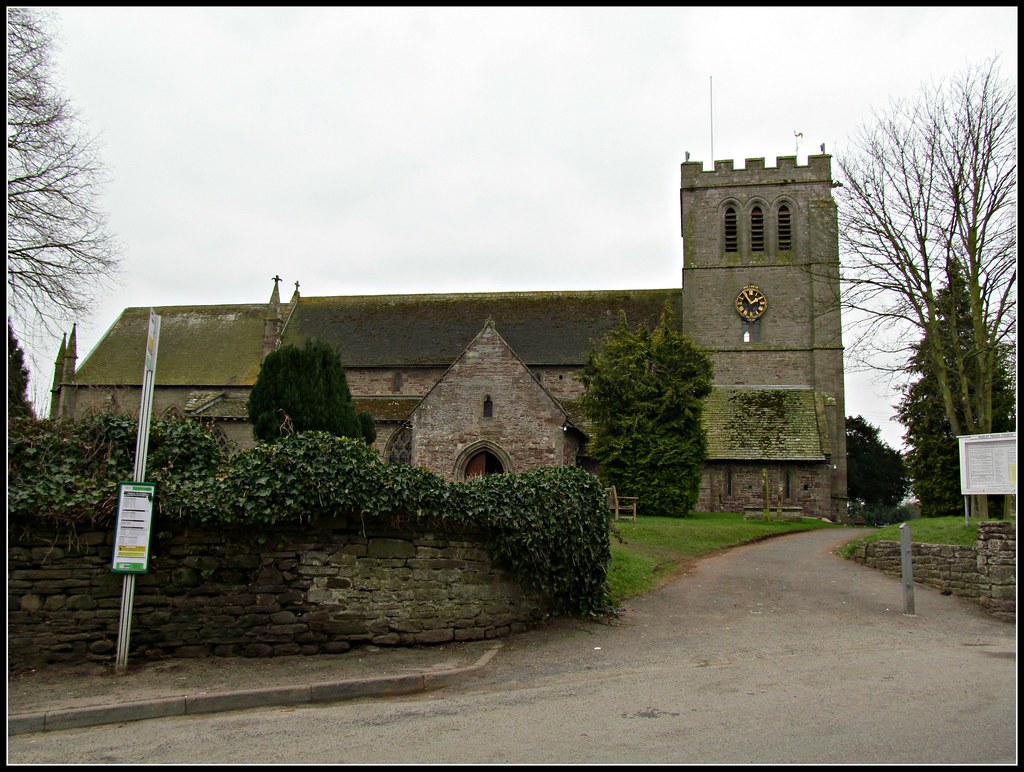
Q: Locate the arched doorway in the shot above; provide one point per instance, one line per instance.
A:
(481, 458)
(483, 462)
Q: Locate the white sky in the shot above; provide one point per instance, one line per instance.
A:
(399, 150)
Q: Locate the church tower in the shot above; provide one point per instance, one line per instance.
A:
(761, 284)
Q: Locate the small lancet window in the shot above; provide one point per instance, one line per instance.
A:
(396, 380)
(785, 229)
(731, 240)
(756, 230)
(752, 331)
(488, 407)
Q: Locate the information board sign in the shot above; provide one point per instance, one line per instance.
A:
(134, 524)
(988, 464)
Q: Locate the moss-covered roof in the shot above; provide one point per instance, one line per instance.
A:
(214, 404)
(199, 346)
(543, 328)
(766, 424)
(211, 346)
(574, 410)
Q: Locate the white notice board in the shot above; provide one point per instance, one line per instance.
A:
(134, 523)
(988, 464)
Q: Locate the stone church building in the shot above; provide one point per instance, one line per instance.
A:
(466, 384)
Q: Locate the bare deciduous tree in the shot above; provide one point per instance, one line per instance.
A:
(928, 201)
(59, 248)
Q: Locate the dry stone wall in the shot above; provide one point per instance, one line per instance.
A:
(257, 592)
(985, 573)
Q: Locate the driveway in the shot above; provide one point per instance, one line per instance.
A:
(781, 651)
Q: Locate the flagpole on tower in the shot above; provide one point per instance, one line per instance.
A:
(711, 113)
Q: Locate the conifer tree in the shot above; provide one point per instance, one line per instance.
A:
(933, 458)
(876, 473)
(304, 389)
(645, 397)
(18, 405)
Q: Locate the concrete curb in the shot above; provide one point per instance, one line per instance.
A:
(187, 705)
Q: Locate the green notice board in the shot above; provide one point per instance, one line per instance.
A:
(134, 524)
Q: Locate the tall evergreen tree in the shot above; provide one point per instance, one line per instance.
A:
(18, 405)
(645, 397)
(304, 389)
(875, 472)
(933, 458)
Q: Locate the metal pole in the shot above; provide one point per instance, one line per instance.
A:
(124, 626)
(711, 113)
(907, 564)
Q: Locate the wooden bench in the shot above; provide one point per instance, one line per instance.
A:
(624, 505)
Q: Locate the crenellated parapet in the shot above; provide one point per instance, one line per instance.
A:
(785, 171)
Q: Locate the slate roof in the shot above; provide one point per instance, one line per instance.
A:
(766, 425)
(543, 328)
(199, 346)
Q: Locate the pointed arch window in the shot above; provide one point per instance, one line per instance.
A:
(222, 438)
(785, 229)
(400, 447)
(731, 237)
(756, 229)
(488, 407)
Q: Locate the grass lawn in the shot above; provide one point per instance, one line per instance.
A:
(650, 551)
(924, 530)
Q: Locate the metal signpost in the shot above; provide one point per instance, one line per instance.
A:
(988, 464)
(135, 504)
(907, 570)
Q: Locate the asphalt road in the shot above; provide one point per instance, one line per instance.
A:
(778, 652)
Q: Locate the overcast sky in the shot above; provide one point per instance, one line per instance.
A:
(411, 150)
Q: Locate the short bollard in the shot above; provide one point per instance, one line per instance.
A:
(907, 565)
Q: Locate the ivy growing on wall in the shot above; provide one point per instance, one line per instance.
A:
(548, 526)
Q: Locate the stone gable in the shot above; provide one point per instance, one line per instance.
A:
(524, 426)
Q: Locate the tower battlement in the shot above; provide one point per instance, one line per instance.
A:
(786, 170)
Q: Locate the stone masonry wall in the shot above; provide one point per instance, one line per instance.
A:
(809, 487)
(524, 427)
(985, 573)
(256, 593)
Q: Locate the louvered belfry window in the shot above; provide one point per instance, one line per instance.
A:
(731, 240)
(756, 230)
(785, 229)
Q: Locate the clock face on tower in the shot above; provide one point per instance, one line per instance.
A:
(751, 303)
